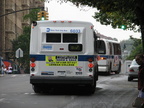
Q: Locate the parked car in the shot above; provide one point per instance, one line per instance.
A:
(133, 70)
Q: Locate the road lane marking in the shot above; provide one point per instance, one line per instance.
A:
(13, 75)
(29, 93)
(2, 99)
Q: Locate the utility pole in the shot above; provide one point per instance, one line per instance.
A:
(20, 11)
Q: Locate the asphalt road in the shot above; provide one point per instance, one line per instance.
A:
(112, 91)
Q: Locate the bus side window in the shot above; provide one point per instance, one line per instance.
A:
(117, 49)
(101, 49)
(110, 47)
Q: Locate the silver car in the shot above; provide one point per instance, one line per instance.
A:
(133, 70)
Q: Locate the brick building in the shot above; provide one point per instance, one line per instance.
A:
(11, 25)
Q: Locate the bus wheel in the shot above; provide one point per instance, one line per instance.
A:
(109, 70)
(92, 88)
(36, 88)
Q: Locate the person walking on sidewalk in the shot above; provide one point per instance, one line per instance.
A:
(2, 70)
(140, 61)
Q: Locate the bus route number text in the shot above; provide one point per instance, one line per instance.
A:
(75, 30)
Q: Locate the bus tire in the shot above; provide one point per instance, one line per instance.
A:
(92, 88)
(96, 72)
(36, 88)
(109, 70)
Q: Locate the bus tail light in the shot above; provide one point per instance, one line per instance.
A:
(103, 58)
(32, 65)
(90, 65)
(32, 59)
(90, 59)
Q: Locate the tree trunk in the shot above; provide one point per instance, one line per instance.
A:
(142, 36)
(140, 16)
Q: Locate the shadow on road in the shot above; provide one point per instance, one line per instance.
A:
(67, 90)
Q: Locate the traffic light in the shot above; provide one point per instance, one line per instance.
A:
(46, 15)
(123, 27)
(39, 15)
(42, 18)
(42, 15)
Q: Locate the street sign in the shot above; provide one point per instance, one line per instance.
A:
(19, 53)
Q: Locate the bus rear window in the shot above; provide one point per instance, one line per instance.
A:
(70, 38)
(101, 47)
(53, 37)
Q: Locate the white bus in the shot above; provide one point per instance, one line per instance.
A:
(62, 52)
(109, 59)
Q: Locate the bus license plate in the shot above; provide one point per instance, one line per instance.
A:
(61, 73)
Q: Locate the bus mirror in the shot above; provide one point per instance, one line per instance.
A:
(34, 23)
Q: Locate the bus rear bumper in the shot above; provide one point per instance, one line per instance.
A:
(61, 80)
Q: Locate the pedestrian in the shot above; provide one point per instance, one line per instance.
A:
(5, 70)
(2, 70)
(140, 61)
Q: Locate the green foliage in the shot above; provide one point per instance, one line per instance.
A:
(127, 45)
(23, 41)
(137, 48)
(116, 12)
(132, 45)
(32, 16)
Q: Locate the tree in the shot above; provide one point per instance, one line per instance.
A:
(127, 45)
(23, 41)
(32, 16)
(117, 13)
(137, 48)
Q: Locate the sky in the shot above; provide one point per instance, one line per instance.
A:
(68, 11)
